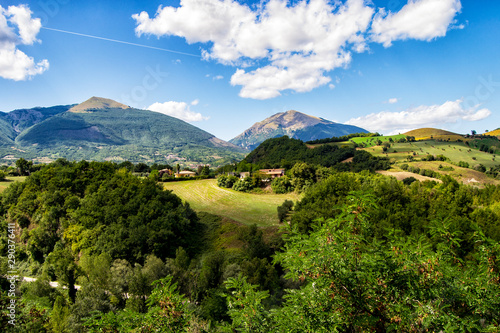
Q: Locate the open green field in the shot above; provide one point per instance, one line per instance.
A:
(9, 180)
(206, 196)
(368, 141)
(455, 151)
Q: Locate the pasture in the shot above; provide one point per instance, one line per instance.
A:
(454, 151)
(247, 208)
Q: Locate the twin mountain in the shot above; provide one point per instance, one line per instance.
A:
(103, 129)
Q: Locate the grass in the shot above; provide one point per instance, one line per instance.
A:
(247, 208)
(9, 180)
(493, 133)
(455, 151)
(368, 141)
(434, 133)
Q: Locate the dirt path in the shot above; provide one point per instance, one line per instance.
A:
(400, 175)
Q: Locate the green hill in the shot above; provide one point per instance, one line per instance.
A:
(434, 133)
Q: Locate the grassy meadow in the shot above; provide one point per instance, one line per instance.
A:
(455, 151)
(247, 208)
(9, 180)
(367, 141)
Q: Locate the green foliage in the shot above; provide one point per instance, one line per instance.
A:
(463, 164)
(409, 180)
(24, 167)
(479, 167)
(245, 306)
(302, 176)
(343, 138)
(244, 185)
(226, 181)
(398, 285)
(284, 210)
(281, 185)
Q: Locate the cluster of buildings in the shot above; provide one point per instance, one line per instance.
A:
(180, 174)
(270, 173)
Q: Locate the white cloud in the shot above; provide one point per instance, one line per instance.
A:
(17, 27)
(297, 44)
(422, 116)
(292, 46)
(419, 19)
(179, 110)
(392, 101)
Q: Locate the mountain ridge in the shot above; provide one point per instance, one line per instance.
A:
(103, 129)
(294, 124)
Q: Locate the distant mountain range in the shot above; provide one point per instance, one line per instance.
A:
(102, 129)
(294, 124)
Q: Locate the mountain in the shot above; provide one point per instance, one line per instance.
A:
(294, 124)
(18, 120)
(103, 129)
(97, 103)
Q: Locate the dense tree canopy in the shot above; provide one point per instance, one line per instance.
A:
(362, 252)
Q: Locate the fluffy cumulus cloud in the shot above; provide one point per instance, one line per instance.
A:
(281, 46)
(422, 116)
(179, 110)
(17, 27)
(419, 19)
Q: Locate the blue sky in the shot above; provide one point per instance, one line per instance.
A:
(387, 66)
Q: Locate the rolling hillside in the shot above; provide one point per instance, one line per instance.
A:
(434, 133)
(294, 124)
(246, 208)
(102, 129)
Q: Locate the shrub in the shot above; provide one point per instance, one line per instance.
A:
(409, 180)
(226, 181)
(284, 209)
(480, 168)
(281, 185)
(243, 185)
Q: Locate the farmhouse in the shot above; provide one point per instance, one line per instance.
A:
(185, 174)
(165, 172)
(273, 172)
(244, 175)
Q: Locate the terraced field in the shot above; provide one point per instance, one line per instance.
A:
(455, 151)
(247, 208)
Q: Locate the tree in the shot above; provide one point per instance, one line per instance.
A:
(302, 175)
(24, 167)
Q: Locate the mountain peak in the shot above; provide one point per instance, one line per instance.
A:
(296, 125)
(97, 103)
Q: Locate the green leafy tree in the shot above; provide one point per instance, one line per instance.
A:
(24, 167)
(281, 185)
(302, 176)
